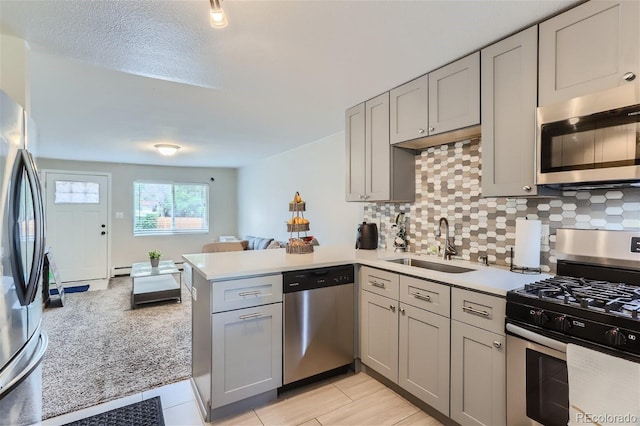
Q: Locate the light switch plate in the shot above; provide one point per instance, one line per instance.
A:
(194, 293)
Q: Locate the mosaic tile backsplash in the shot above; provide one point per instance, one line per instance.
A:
(448, 184)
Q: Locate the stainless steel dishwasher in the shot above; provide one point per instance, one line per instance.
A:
(318, 322)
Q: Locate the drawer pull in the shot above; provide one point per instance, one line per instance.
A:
(497, 344)
(424, 297)
(393, 308)
(250, 293)
(377, 284)
(475, 311)
(250, 316)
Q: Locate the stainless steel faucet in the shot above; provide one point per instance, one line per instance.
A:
(449, 248)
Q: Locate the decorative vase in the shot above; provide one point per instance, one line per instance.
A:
(155, 261)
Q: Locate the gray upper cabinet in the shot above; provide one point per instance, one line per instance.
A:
(454, 95)
(589, 48)
(409, 110)
(354, 155)
(376, 171)
(509, 91)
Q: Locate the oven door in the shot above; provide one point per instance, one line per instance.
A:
(537, 380)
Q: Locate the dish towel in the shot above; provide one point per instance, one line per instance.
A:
(603, 389)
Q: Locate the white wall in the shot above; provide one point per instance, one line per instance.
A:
(317, 170)
(125, 248)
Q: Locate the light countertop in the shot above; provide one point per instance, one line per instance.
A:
(237, 264)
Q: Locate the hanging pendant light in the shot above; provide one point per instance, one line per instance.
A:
(217, 16)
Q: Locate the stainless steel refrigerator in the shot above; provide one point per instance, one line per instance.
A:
(22, 342)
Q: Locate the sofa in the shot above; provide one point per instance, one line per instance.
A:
(249, 243)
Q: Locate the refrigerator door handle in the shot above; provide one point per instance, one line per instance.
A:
(39, 235)
(42, 341)
(26, 285)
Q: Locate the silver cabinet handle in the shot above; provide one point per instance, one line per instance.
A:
(431, 129)
(629, 76)
(377, 284)
(250, 316)
(402, 311)
(250, 293)
(526, 188)
(497, 344)
(424, 297)
(421, 131)
(475, 311)
(393, 308)
(361, 196)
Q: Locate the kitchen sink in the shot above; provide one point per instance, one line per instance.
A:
(450, 269)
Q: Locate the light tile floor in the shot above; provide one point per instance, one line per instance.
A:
(355, 399)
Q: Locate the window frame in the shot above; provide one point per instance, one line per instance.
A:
(172, 230)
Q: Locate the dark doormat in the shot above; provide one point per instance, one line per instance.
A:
(144, 413)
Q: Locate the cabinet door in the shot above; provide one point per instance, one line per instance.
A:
(588, 49)
(423, 365)
(509, 98)
(454, 95)
(478, 376)
(409, 111)
(379, 334)
(377, 153)
(354, 154)
(247, 353)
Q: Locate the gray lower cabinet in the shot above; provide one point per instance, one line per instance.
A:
(592, 47)
(478, 358)
(375, 171)
(478, 376)
(236, 343)
(509, 101)
(403, 342)
(247, 353)
(423, 365)
(379, 334)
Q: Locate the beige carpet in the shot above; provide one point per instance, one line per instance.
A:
(100, 349)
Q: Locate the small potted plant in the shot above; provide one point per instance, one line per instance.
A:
(154, 258)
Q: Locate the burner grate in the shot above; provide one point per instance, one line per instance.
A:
(619, 298)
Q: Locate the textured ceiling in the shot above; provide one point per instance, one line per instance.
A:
(111, 78)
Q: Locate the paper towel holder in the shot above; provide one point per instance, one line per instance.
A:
(522, 269)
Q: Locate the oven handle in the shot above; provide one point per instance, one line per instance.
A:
(536, 338)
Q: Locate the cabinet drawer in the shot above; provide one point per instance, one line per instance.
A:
(246, 292)
(478, 309)
(425, 294)
(380, 282)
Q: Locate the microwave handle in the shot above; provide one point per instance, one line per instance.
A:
(536, 338)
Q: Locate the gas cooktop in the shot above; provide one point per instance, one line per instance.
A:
(617, 298)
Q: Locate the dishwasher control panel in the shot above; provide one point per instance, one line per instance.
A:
(309, 279)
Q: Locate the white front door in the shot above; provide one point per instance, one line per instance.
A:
(76, 215)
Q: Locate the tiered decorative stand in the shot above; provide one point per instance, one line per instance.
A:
(298, 225)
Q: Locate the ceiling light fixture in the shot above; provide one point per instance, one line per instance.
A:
(217, 17)
(166, 149)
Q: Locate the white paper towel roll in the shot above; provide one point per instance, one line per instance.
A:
(527, 250)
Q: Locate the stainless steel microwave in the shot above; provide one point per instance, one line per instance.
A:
(591, 141)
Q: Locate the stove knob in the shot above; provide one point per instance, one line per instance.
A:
(540, 318)
(616, 337)
(562, 323)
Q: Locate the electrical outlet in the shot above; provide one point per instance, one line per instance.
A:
(544, 234)
(194, 293)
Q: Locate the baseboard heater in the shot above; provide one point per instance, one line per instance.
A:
(119, 271)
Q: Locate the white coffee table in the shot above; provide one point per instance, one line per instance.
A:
(155, 284)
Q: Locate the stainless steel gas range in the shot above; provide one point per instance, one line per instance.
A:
(593, 302)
